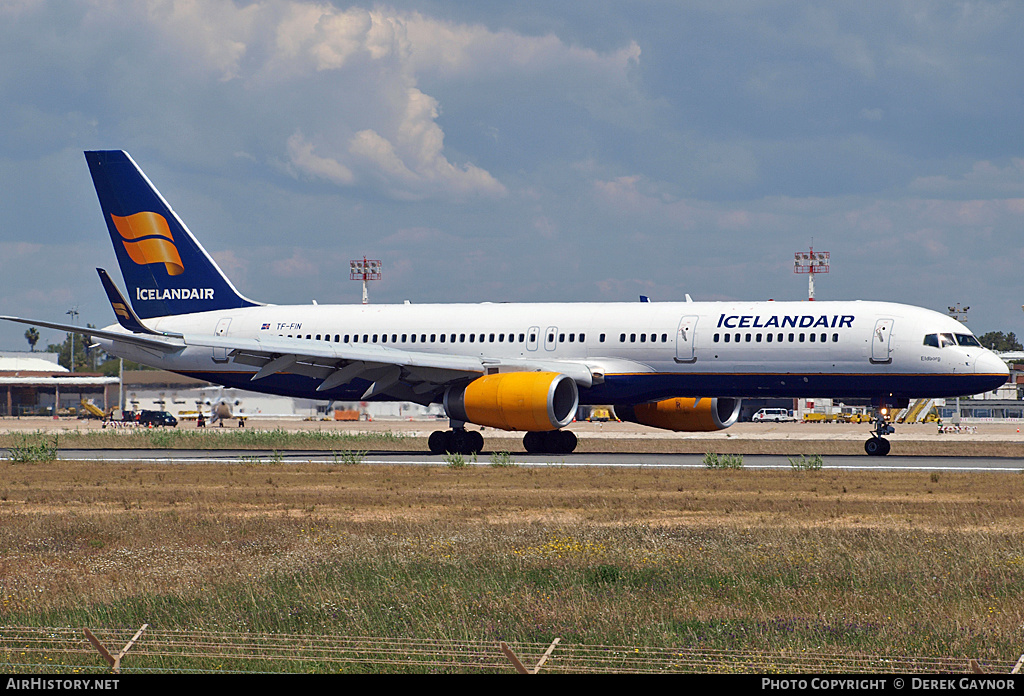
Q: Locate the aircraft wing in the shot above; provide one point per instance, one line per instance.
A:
(409, 375)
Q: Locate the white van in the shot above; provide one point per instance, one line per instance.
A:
(774, 415)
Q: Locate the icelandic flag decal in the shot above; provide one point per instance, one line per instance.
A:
(264, 327)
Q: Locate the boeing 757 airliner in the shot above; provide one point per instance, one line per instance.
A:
(681, 366)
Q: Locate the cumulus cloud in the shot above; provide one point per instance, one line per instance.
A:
(376, 126)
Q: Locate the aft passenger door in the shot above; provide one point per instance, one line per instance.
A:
(220, 355)
(685, 340)
(881, 338)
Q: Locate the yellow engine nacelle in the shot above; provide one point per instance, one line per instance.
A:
(684, 415)
(530, 401)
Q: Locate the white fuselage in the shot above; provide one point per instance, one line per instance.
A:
(641, 351)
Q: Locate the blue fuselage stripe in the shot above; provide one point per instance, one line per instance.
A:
(637, 388)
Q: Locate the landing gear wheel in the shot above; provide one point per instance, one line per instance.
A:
(476, 441)
(438, 441)
(459, 442)
(533, 442)
(877, 447)
(566, 441)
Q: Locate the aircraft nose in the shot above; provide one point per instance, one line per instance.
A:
(988, 363)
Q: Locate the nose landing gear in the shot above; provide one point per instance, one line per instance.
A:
(878, 446)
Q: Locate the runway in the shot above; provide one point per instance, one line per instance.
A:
(578, 460)
(982, 446)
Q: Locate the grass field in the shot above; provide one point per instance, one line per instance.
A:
(922, 564)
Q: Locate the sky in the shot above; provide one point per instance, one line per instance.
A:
(525, 151)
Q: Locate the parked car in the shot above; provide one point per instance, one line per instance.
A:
(773, 415)
(157, 419)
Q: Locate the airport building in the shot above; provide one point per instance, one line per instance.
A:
(33, 384)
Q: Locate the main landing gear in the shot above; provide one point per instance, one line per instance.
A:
(550, 442)
(458, 440)
(878, 446)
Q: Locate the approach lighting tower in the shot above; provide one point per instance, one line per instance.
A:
(364, 270)
(959, 313)
(810, 262)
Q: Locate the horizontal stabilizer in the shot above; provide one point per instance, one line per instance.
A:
(125, 316)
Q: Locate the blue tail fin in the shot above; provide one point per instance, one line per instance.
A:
(165, 269)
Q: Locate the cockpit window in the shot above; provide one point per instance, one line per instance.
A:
(947, 339)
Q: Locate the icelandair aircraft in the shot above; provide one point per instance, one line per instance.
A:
(682, 366)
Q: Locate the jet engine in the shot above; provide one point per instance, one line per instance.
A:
(530, 401)
(686, 415)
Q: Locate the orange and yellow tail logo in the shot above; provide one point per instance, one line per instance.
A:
(147, 239)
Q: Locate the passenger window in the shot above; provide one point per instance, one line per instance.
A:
(583, 337)
(600, 339)
(715, 339)
(726, 338)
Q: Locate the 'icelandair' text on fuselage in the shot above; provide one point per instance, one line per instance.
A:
(174, 294)
(806, 321)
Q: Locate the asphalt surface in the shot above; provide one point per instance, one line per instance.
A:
(581, 460)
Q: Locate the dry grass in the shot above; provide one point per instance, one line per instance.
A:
(891, 563)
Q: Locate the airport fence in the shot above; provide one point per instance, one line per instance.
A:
(146, 650)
